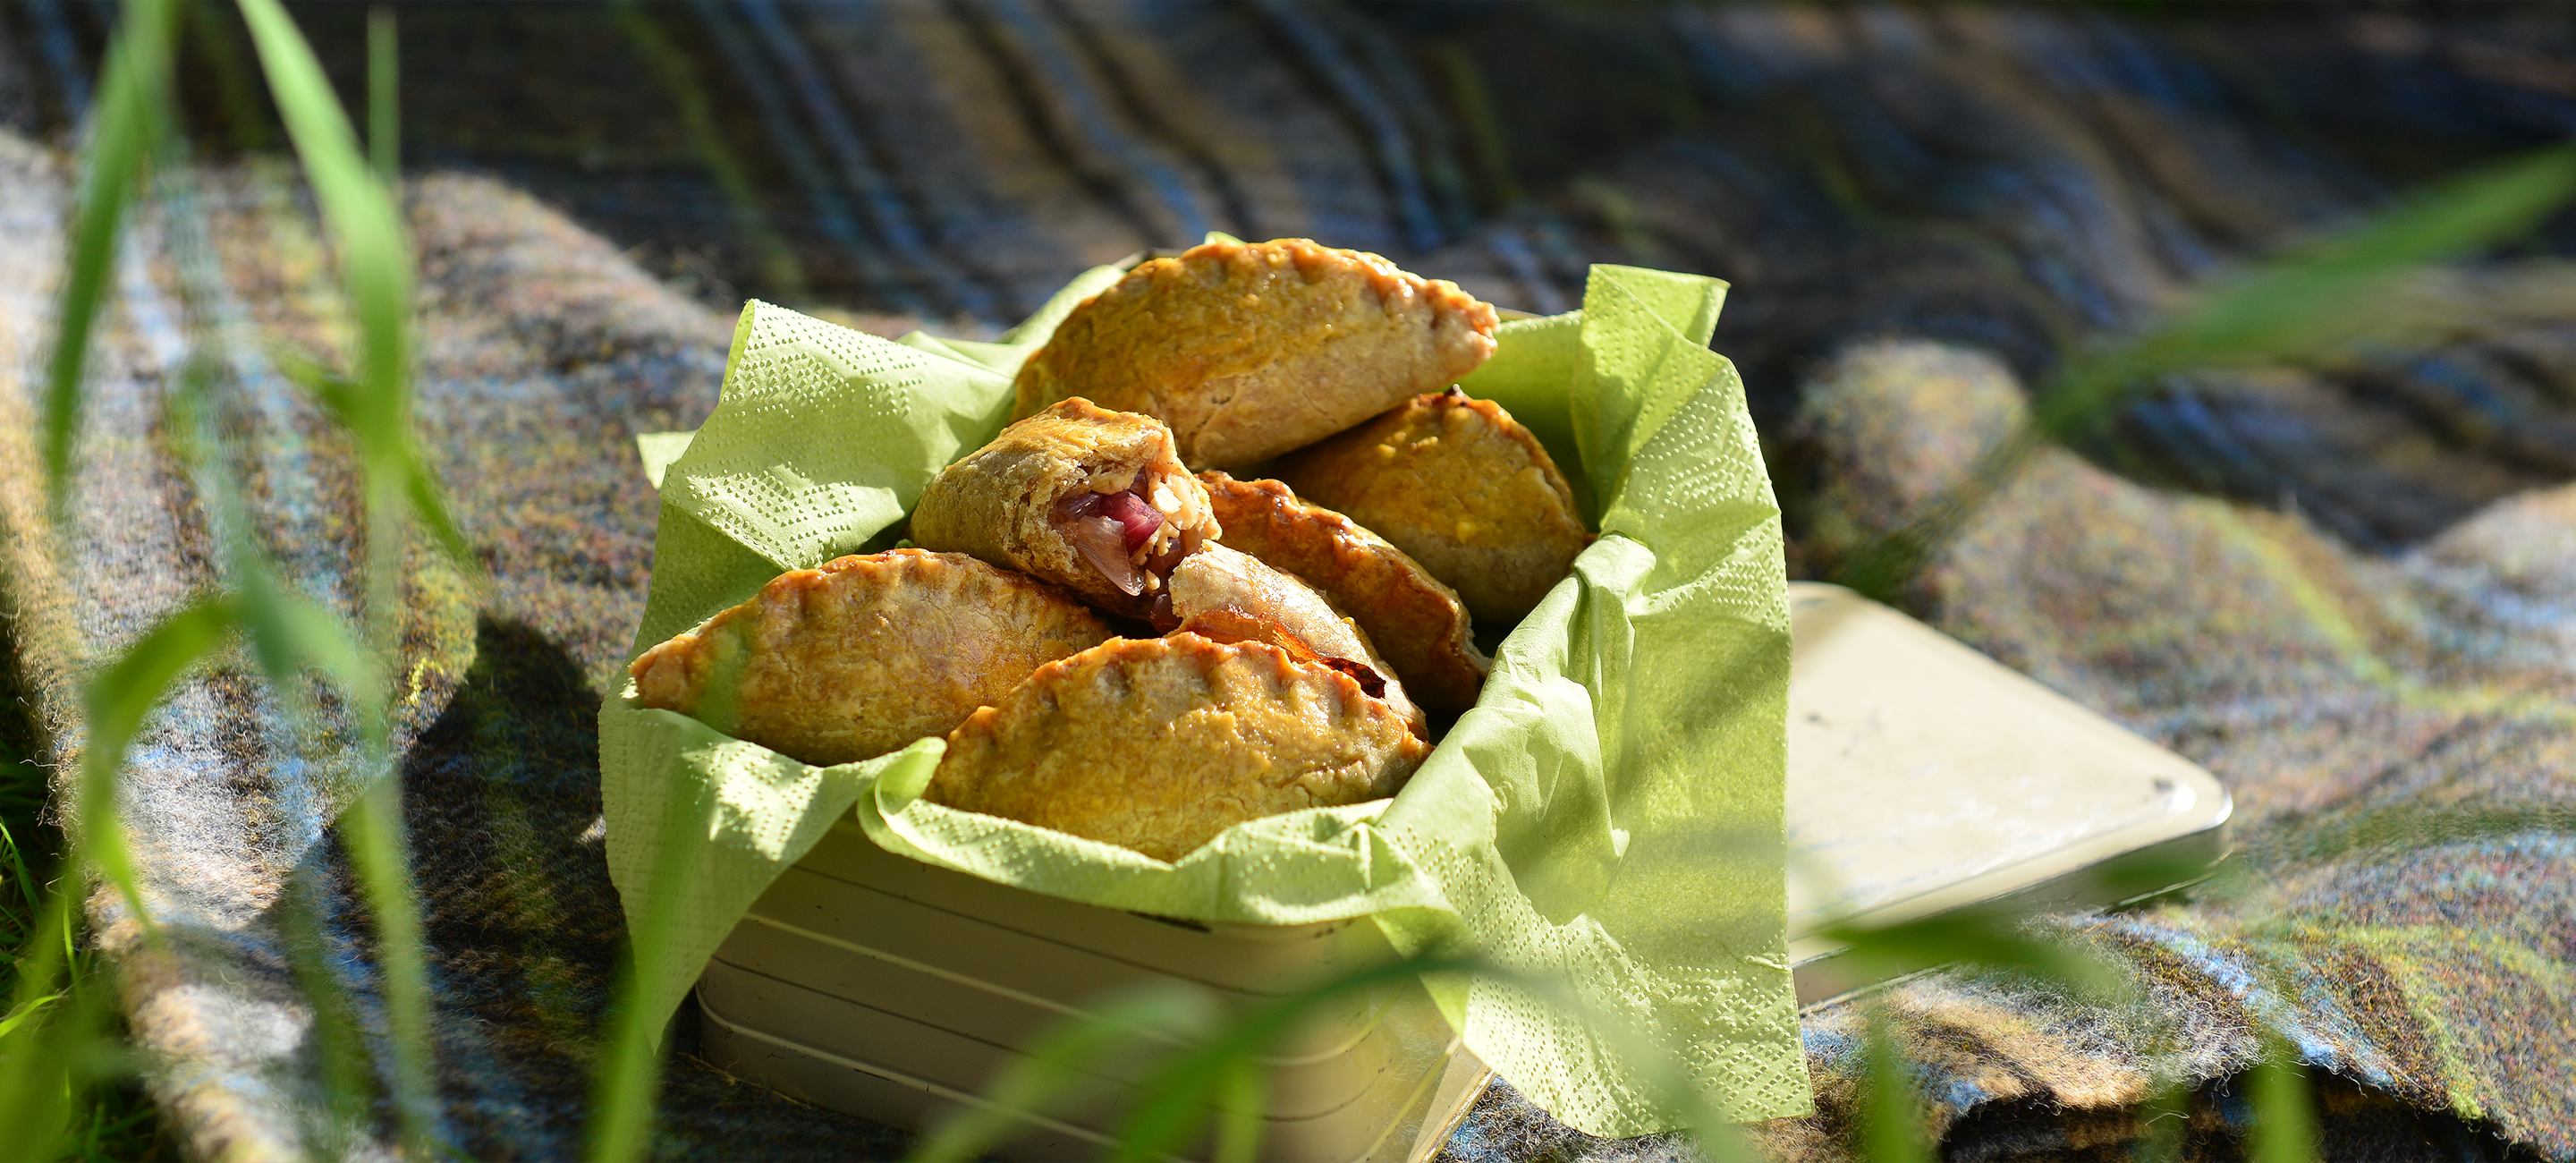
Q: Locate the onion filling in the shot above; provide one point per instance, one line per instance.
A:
(1131, 511)
(1117, 533)
(1102, 542)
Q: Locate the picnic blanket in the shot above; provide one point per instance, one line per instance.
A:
(2348, 591)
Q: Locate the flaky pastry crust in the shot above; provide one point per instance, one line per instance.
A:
(1228, 596)
(863, 655)
(1158, 744)
(1461, 487)
(1416, 622)
(1248, 350)
(1003, 502)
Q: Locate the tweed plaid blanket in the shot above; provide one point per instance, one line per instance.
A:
(2349, 591)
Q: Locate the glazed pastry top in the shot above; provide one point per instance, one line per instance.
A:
(1158, 744)
(1459, 486)
(1234, 597)
(1417, 622)
(863, 655)
(1247, 350)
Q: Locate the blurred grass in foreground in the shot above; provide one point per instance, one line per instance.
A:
(66, 1084)
(53, 1054)
(2366, 285)
(114, 1119)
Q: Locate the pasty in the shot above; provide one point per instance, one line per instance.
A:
(1249, 350)
(1460, 486)
(863, 655)
(1158, 744)
(1417, 623)
(1087, 498)
(1227, 596)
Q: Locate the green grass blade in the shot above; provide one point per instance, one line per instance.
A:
(1891, 1118)
(37, 1074)
(628, 1075)
(1214, 1069)
(1242, 1094)
(2322, 296)
(1057, 1070)
(2304, 305)
(372, 830)
(47, 1055)
(29, 889)
(374, 254)
(117, 700)
(339, 395)
(289, 633)
(2284, 1112)
(1981, 938)
(431, 509)
(51, 1061)
(133, 96)
(1182, 1095)
(18, 1015)
(2164, 1119)
(784, 276)
(375, 262)
(384, 113)
(338, 1128)
(219, 46)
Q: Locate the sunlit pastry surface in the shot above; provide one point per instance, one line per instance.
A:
(1250, 350)
(863, 655)
(1459, 486)
(1229, 596)
(1416, 622)
(1158, 744)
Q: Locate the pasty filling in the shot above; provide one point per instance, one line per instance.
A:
(1133, 536)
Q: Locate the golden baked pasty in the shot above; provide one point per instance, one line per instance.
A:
(1227, 596)
(863, 655)
(1087, 498)
(1249, 350)
(1158, 744)
(1461, 487)
(1416, 622)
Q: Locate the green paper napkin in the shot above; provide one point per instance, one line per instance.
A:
(1608, 816)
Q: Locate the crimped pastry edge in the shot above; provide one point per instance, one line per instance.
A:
(1042, 378)
(1451, 673)
(675, 660)
(1427, 412)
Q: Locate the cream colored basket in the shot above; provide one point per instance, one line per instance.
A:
(875, 984)
(1923, 777)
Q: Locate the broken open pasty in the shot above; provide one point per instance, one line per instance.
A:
(1418, 624)
(1249, 350)
(863, 655)
(1459, 486)
(1087, 498)
(1158, 744)
(1227, 596)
